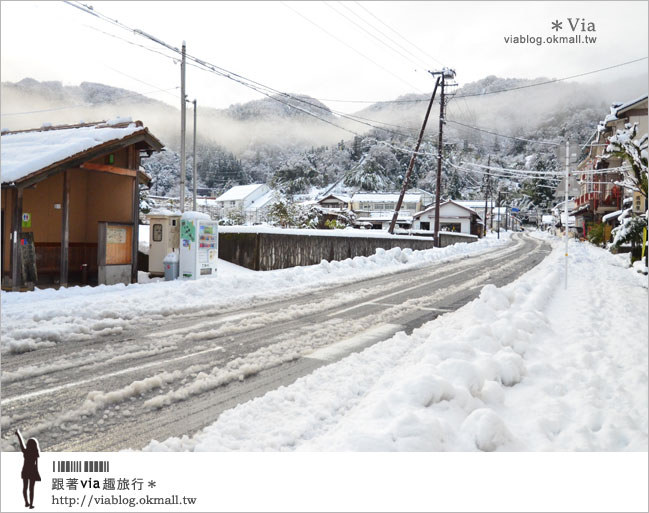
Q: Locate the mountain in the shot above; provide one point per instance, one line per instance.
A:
(278, 140)
(293, 106)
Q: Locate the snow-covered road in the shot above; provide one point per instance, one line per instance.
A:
(98, 376)
(365, 354)
(529, 366)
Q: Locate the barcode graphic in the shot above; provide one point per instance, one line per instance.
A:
(79, 466)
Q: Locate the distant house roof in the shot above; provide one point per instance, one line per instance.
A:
(266, 200)
(417, 190)
(339, 197)
(473, 203)
(380, 216)
(27, 153)
(384, 197)
(240, 192)
(432, 209)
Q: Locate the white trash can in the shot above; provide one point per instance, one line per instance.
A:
(171, 265)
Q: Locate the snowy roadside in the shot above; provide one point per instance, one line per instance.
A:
(43, 318)
(527, 367)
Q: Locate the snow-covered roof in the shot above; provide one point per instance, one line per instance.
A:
(432, 208)
(375, 197)
(629, 104)
(382, 216)
(240, 192)
(473, 203)
(339, 197)
(619, 108)
(265, 200)
(26, 152)
(417, 190)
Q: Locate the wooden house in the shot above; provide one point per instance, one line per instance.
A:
(70, 202)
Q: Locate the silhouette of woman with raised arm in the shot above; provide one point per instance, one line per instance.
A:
(30, 467)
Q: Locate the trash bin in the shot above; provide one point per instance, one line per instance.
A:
(171, 264)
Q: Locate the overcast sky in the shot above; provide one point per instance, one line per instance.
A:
(313, 48)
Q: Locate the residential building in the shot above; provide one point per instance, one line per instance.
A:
(479, 207)
(377, 209)
(600, 196)
(335, 202)
(453, 217)
(251, 202)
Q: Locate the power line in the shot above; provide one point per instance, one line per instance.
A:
(487, 92)
(368, 32)
(501, 135)
(256, 86)
(351, 47)
(504, 174)
(399, 34)
(138, 80)
(86, 104)
(421, 61)
(551, 81)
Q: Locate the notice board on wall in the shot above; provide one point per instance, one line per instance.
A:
(115, 243)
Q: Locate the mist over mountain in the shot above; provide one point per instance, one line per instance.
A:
(281, 141)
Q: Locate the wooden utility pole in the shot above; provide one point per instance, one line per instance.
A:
(183, 164)
(498, 210)
(411, 165)
(446, 73)
(486, 195)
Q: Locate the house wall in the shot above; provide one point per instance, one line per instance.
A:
(94, 196)
(465, 223)
(116, 206)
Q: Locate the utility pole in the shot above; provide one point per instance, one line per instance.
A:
(446, 73)
(411, 165)
(491, 197)
(194, 170)
(486, 195)
(183, 163)
(498, 209)
(565, 236)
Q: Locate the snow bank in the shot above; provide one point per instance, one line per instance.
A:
(44, 317)
(346, 232)
(529, 366)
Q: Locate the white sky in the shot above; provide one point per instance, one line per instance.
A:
(270, 43)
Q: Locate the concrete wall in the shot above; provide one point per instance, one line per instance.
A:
(268, 251)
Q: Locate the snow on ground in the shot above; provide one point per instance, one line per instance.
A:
(46, 317)
(530, 366)
(346, 232)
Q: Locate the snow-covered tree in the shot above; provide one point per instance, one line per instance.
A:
(376, 171)
(633, 152)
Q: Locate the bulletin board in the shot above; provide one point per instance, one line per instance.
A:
(117, 247)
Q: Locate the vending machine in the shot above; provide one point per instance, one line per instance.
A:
(199, 245)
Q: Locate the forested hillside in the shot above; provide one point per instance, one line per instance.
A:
(299, 145)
